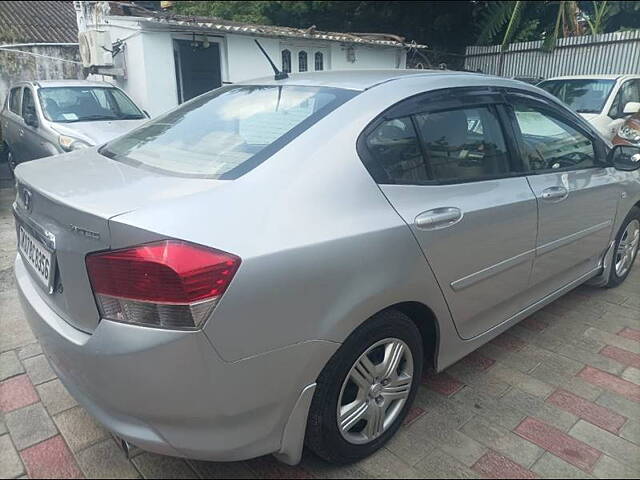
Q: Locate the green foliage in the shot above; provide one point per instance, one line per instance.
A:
(443, 25)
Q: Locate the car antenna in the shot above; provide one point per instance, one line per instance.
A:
(278, 74)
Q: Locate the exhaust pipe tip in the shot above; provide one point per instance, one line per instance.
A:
(129, 449)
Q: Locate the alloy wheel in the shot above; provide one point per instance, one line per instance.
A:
(375, 391)
(627, 248)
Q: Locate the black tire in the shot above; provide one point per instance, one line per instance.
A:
(323, 436)
(615, 279)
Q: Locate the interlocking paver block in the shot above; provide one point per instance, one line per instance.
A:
(15, 329)
(611, 382)
(38, 369)
(536, 407)
(318, 468)
(55, 397)
(442, 383)
(10, 366)
(550, 466)
(158, 466)
(10, 464)
(631, 333)
(17, 392)
(438, 464)
(413, 414)
(489, 407)
(493, 465)
(79, 429)
(559, 443)
(622, 356)
(502, 441)
(29, 425)
(631, 374)
(524, 382)
(607, 467)
(608, 443)
(105, 460)
(222, 469)
(29, 351)
(50, 459)
(508, 342)
(596, 414)
(269, 467)
(631, 431)
(618, 404)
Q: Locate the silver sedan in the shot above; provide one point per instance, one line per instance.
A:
(276, 263)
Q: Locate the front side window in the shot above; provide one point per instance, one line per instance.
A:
(582, 95)
(629, 92)
(14, 100)
(28, 105)
(81, 104)
(224, 133)
(302, 61)
(465, 144)
(551, 144)
(286, 61)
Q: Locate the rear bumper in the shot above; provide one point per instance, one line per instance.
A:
(169, 392)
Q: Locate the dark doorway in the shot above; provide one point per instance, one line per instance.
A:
(197, 68)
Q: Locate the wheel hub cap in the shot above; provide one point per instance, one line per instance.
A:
(375, 391)
(627, 248)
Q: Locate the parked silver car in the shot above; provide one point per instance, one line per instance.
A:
(276, 263)
(49, 117)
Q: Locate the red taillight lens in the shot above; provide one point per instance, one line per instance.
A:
(170, 283)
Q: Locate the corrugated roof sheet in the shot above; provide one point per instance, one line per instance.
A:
(227, 26)
(38, 22)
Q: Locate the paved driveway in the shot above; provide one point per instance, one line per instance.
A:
(556, 396)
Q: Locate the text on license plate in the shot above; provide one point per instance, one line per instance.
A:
(36, 255)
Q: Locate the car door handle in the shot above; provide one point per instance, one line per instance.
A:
(438, 218)
(555, 194)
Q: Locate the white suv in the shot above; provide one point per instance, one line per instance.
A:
(605, 101)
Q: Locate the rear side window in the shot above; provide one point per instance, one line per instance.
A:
(14, 100)
(550, 143)
(441, 147)
(394, 145)
(224, 133)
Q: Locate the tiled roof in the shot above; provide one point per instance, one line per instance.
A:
(227, 26)
(38, 22)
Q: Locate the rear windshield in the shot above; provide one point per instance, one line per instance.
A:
(582, 95)
(227, 132)
(86, 104)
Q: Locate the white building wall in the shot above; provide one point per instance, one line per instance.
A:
(151, 76)
(244, 59)
(366, 57)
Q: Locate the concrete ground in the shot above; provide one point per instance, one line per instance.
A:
(557, 396)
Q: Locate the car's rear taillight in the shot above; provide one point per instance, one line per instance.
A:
(170, 284)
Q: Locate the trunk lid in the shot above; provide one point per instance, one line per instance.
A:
(71, 199)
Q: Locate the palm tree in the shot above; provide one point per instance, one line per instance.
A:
(511, 16)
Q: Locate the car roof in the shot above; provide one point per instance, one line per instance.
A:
(594, 77)
(358, 79)
(64, 83)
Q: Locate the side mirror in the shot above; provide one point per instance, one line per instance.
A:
(625, 158)
(631, 107)
(31, 120)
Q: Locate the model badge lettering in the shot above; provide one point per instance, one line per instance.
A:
(84, 232)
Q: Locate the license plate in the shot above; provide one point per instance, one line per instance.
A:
(37, 256)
